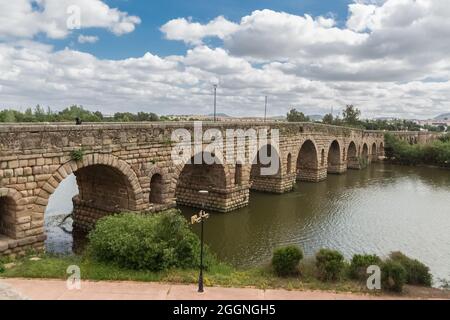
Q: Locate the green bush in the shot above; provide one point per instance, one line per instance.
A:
(330, 264)
(360, 263)
(2, 268)
(77, 155)
(417, 273)
(285, 260)
(152, 242)
(393, 276)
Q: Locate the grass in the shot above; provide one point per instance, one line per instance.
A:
(220, 274)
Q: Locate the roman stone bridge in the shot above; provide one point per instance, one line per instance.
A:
(129, 167)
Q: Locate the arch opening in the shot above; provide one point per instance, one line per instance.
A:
(194, 178)
(374, 152)
(79, 200)
(307, 162)
(8, 209)
(334, 158)
(156, 189)
(352, 156)
(265, 170)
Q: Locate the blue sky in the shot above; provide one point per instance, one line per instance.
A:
(148, 38)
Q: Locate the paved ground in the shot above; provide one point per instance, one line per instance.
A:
(57, 290)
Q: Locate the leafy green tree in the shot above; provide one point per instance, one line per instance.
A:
(296, 116)
(351, 115)
(328, 119)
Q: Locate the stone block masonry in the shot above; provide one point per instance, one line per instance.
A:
(128, 167)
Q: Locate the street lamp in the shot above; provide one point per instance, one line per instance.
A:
(201, 219)
(215, 101)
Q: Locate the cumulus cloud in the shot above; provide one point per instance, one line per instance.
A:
(194, 32)
(27, 18)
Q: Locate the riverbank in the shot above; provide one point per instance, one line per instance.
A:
(259, 279)
(13, 289)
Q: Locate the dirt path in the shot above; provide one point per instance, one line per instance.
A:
(57, 290)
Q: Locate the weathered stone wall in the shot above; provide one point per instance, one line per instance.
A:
(120, 161)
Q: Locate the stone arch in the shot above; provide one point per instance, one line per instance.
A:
(259, 165)
(193, 177)
(334, 157)
(381, 149)
(374, 152)
(352, 156)
(106, 164)
(307, 162)
(9, 208)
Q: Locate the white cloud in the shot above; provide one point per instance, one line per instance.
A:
(87, 39)
(193, 32)
(27, 18)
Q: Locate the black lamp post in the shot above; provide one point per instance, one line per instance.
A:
(201, 219)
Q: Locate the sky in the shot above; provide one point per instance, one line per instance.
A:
(389, 58)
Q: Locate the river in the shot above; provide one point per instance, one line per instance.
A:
(380, 209)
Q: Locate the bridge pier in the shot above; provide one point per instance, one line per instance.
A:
(312, 174)
(273, 184)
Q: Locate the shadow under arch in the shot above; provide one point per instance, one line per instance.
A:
(195, 175)
(334, 158)
(352, 156)
(307, 162)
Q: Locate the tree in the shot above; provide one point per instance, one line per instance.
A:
(328, 119)
(296, 116)
(351, 115)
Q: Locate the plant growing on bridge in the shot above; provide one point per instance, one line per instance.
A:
(146, 242)
(285, 260)
(330, 264)
(77, 155)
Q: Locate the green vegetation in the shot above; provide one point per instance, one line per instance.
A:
(416, 272)
(285, 260)
(39, 114)
(163, 248)
(360, 263)
(434, 153)
(330, 264)
(146, 242)
(393, 276)
(77, 155)
(296, 116)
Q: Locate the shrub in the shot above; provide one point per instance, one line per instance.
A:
(330, 264)
(2, 268)
(417, 273)
(360, 263)
(285, 260)
(153, 242)
(77, 155)
(393, 276)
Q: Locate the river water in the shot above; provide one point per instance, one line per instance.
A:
(380, 209)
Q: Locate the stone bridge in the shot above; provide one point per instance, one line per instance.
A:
(128, 167)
